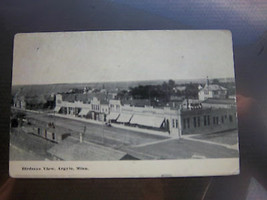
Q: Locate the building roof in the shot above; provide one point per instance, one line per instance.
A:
(85, 97)
(137, 102)
(193, 101)
(213, 87)
(19, 98)
(177, 98)
(219, 101)
(180, 88)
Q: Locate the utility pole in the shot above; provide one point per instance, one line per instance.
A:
(82, 134)
(103, 135)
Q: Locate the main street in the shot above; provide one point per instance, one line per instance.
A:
(144, 145)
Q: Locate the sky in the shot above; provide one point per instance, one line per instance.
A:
(101, 56)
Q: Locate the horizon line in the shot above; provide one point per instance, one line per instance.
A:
(119, 81)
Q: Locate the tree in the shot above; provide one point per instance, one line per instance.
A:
(215, 81)
(171, 83)
(191, 90)
(123, 94)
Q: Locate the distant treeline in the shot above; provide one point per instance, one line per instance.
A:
(159, 93)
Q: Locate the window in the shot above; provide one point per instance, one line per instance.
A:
(198, 121)
(230, 118)
(208, 119)
(176, 123)
(222, 119)
(39, 131)
(173, 123)
(195, 122)
(53, 136)
(216, 120)
(205, 120)
(188, 123)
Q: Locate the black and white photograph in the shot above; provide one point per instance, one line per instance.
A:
(127, 103)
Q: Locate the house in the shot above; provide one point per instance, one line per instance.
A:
(212, 91)
(19, 102)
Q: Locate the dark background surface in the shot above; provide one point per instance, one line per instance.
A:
(248, 22)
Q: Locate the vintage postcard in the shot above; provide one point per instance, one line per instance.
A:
(123, 104)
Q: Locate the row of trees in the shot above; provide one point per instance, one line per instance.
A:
(159, 93)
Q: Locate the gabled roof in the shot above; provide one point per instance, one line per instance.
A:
(19, 98)
(213, 87)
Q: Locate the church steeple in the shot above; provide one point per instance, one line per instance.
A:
(207, 81)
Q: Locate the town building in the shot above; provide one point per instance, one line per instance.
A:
(47, 131)
(163, 120)
(192, 117)
(212, 91)
(207, 120)
(219, 103)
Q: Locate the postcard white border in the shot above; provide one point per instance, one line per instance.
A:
(124, 169)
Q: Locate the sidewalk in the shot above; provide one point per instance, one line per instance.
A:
(234, 147)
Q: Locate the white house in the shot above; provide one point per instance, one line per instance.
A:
(212, 91)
